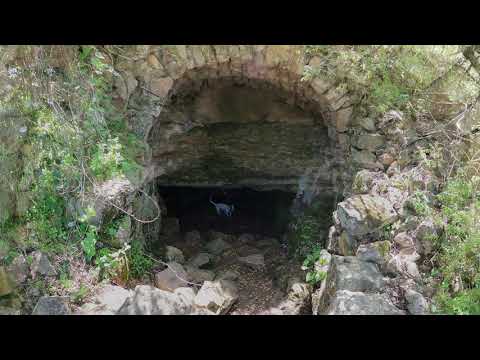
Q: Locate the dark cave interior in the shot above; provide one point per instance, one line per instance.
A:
(258, 212)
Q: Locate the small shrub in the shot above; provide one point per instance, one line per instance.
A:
(313, 277)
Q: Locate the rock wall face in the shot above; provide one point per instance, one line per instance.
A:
(215, 115)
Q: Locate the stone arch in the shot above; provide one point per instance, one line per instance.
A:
(161, 73)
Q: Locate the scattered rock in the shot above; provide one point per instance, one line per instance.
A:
(93, 309)
(228, 275)
(386, 159)
(171, 278)
(376, 252)
(18, 269)
(416, 303)
(365, 159)
(148, 300)
(363, 214)
(298, 301)
(393, 169)
(174, 254)
(369, 141)
(112, 297)
(215, 235)
(403, 241)
(255, 261)
(423, 179)
(346, 302)
(365, 179)
(6, 286)
(246, 239)
(217, 246)
(404, 264)
(201, 260)
(217, 296)
(41, 265)
(52, 305)
(424, 234)
(193, 238)
(198, 275)
(366, 123)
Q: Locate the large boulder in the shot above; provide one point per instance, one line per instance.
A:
(346, 302)
(108, 197)
(52, 305)
(364, 214)
(172, 277)
(148, 300)
(217, 296)
(355, 275)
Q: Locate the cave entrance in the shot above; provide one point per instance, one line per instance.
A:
(268, 151)
(265, 213)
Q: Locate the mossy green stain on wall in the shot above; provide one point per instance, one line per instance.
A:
(230, 152)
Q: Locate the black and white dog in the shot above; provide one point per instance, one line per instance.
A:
(223, 209)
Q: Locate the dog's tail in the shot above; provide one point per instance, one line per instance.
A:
(212, 200)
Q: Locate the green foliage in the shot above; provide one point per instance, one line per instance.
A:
(419, 202)
(139, 263)
(464, 303)
(76, 138)
(457, 269)
(112, 263)
(88, 243)
(393, 76)
(305, 237)
(313, 276)
(79, 295)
